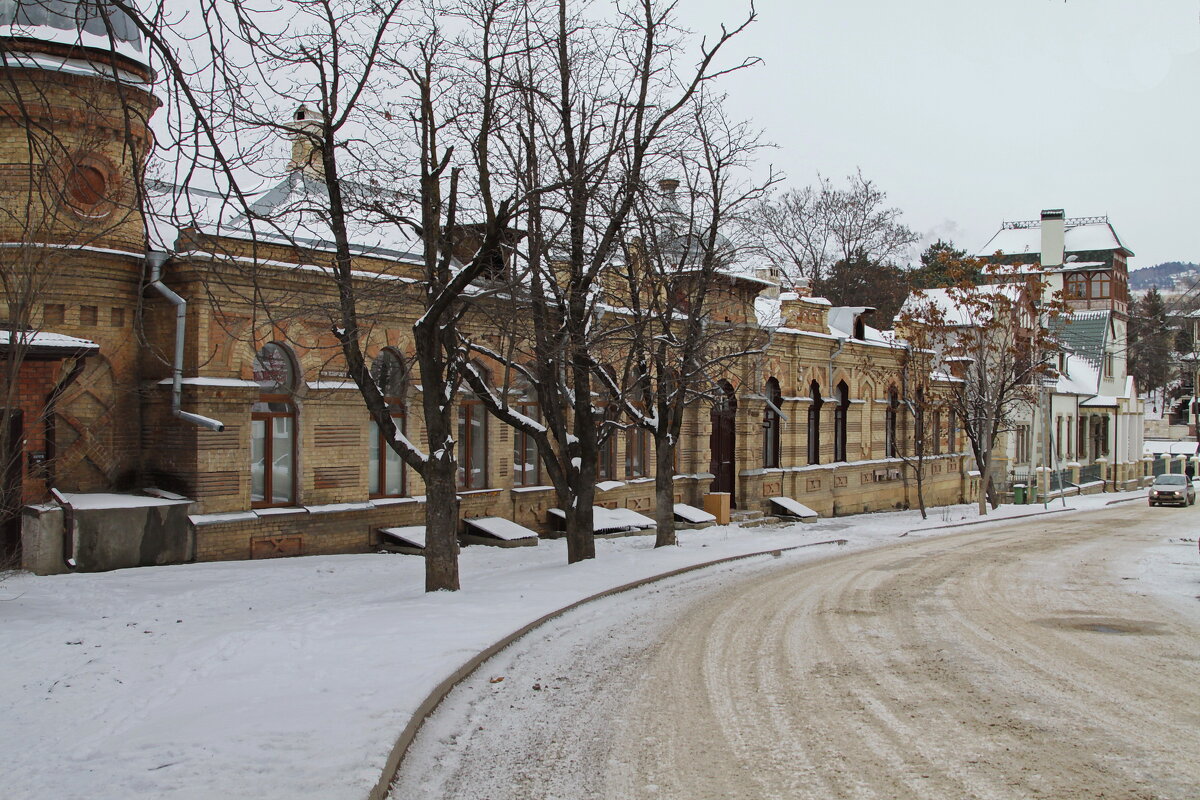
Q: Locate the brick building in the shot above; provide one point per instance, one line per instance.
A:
(211, 372)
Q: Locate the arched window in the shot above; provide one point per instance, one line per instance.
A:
(814, 424)
(527, 467)
(840, 415)
(771, 424)
(637, 438)
(606, 442)
(387, 475)
(890, 447)
(472, 443)
(1077, 285)
(273, 429)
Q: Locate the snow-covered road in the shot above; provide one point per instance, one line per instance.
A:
(1056, 658)
(293, 678)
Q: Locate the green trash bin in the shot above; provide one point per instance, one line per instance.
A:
(1019, 493)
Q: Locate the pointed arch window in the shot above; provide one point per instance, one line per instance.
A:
(273, 429)
(387, 476)
(771, 424)
(606, 442)
(840, 416)
(637, 438)
(814, 424)
(890, 446)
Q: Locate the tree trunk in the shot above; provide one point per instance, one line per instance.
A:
(985, 470)
(664, 494)
(441, 527)
(581, 536)
(920, 472)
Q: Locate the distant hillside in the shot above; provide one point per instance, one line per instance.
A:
(1164, 276)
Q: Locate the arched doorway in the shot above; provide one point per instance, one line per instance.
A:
(723, 442)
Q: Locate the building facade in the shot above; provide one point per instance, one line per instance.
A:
(1087, 425)
(197, 359)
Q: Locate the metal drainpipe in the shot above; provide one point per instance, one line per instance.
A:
(155, 260)
(829, 372)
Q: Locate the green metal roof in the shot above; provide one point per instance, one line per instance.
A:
(1084, 333)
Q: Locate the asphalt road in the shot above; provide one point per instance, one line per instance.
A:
(1001, 662)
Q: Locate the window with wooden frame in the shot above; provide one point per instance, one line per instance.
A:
(472, 443)
(1077, 286)
(814, 424)
(387, 475)
(936, 433)
(527, 466)
(841, 415)
(1102, 285)
(273, 429)
(771, 424)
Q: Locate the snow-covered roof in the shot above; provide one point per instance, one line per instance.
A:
(291, 211)
(1082, 378)
(46, 341)
(948, 301)
(95, 24)
(1080, 237)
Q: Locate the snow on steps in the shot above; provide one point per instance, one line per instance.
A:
(611, 520)
(694, 517)
(409, 539)
(498, 532)
(794, 508)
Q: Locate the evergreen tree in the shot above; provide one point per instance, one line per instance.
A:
(942, 265)
(1151, 343)
(864, 281)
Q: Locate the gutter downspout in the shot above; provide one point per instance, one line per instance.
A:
(155, 260)
(832, 357)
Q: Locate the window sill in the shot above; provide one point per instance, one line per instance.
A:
(465, 492)
(527, 489)
(275, 511)
(394, 501)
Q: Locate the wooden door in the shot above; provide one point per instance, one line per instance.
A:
(723, 443)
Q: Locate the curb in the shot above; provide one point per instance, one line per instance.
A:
(431, 702)
(986, 521)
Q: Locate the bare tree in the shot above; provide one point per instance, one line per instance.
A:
(393, 117)
(598, 113)
(804, 232)
(684, 307)
(997, 340)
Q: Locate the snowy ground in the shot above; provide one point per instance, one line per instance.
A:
(292, 678)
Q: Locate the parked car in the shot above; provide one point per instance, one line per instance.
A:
(1172, 489)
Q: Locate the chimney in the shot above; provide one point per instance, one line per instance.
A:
(306, 132)
(1053, 237)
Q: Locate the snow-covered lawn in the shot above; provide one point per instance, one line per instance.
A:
(292, 678)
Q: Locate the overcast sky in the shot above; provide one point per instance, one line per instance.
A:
(969, 113)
